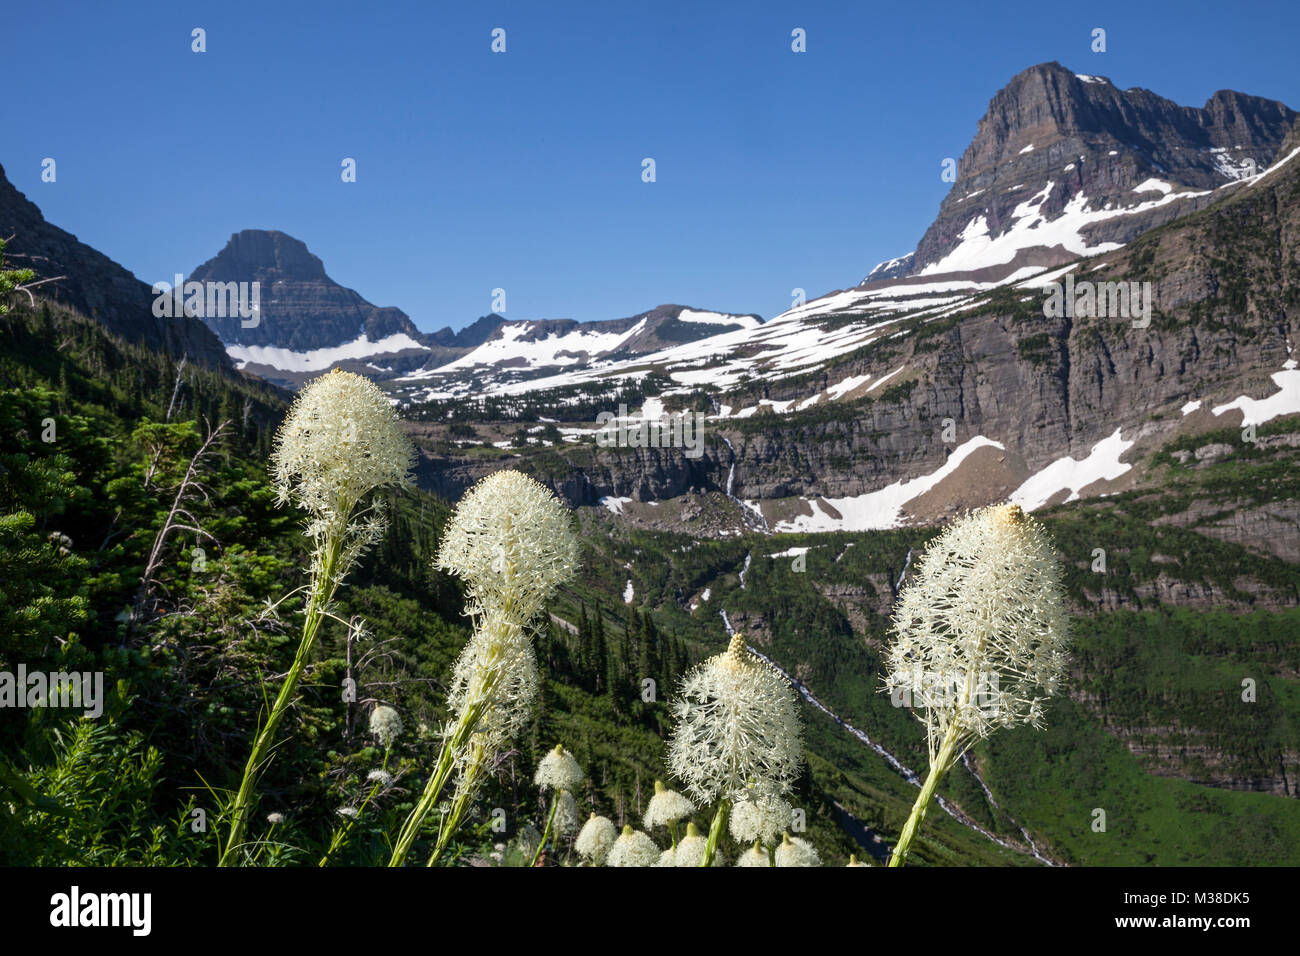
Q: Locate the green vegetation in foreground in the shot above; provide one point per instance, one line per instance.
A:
(76, 526)
(1167, 678)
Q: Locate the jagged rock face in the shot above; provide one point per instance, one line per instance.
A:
(1052, 387)
(1088, 138)
(95, 285)
(302, 307)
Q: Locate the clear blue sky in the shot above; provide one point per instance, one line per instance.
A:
(523, 170)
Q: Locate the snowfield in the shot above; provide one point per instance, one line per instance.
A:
(1102, 464)
(1285, 401)
(882, 509)
(318, 360)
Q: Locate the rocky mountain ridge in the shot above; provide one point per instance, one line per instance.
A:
(1101, 164)
(95, 285)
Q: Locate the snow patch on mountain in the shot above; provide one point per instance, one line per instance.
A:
(718, 318)
(1285, 401)
(881, 509)
(1102, 464)
(978, 248)
(890, 268)
(514, 349)
(317, 360)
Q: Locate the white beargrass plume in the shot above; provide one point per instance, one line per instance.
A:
(513, 544)
(633, 848)
(595, 839)
(340, 444)
(792, 851)
(854, 861)
(692, 849)
(754, 856)
(737, 730)
(341, 441)
(760, 816)
(386, 725)
(558, 771)
(666, 808)
(667, 856)
(493, 685)
(566, 815)
(981, 636)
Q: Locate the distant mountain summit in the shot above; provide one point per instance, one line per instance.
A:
(303, 309)
(1065, 164)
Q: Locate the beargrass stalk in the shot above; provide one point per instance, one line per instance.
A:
(512, 543)
(737, 734)
(340, 443)
(981, 636)
(557, 771)
(546, 833)
(716, 829)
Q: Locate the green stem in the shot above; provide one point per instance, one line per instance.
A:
(452, 745)
(450, 823)
(672, 829)
(715, 832)
(341, 835)
(322, 592)
(555, 803)
(432, 790)
(942, 761)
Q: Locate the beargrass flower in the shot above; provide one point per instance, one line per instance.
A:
(759, 816)
(341, 440)
(340, 444)
(854, 861)
(558, 771)
(595, 839)
(633, 848)
(692, 848)
(381, 777)
(754, 856)
(493, 683)
(513, 544)
(737, 727)
(792, 851)
(737, 731)
(385, 725)
(666, 807)
(274, 818)
(981, 637)
(528, 839)
(566, 814)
